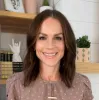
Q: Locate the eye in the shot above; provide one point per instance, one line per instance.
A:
(58, 38)
(42, 38)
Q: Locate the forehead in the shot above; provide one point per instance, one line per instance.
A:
(51, 26)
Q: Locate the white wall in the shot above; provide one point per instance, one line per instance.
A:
(84, 18)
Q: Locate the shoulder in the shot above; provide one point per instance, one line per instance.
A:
(83, 79)
(85, 85)
(14, 80)
(16, 76)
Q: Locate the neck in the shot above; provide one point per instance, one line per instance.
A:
(50, 73)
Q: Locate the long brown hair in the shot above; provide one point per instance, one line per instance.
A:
(67, 64)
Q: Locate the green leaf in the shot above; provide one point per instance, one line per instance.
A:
(83, 42)
(45, 3)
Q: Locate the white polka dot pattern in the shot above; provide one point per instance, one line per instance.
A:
(41, 90)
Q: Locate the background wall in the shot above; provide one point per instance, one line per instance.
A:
(84, 18)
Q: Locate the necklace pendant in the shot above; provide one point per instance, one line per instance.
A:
(55, 98)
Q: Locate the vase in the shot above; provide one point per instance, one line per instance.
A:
(30, 6)
(2, 5)
(83, 55)
(42, 8)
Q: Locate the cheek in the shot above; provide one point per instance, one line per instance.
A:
(38, 46)
(61, 46)
(38, 49)
(62, 49)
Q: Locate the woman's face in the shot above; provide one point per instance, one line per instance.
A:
(50, 43)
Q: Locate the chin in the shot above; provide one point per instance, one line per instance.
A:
(50, 64)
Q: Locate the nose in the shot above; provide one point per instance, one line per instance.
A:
(50, 43)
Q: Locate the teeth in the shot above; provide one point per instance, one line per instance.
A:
(50, 54)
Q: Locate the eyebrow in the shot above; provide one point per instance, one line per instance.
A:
(54, 35)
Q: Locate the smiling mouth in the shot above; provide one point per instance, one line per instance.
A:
(49, 55)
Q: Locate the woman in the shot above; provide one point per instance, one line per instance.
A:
(49, 66)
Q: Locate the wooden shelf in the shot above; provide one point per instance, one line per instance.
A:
(3, 81)
(81, 68)
(87, 67)
(14, 20)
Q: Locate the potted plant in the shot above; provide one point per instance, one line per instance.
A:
(83, 49)
(45, 6)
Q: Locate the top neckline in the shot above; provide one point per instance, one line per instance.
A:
(48, 81)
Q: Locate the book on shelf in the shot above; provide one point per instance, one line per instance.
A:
(6, 69)
(17, 66)
(6, 55)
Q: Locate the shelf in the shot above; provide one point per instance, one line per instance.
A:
(87, 67)
(3, 81)
(81, 68)
(15, 20)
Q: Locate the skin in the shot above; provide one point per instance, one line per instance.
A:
(50, 49)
